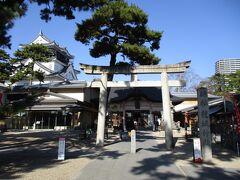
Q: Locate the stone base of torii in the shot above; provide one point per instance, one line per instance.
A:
(103, 84)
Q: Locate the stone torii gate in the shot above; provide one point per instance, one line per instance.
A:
(103, 84)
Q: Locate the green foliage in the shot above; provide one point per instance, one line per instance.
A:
(37, 52)
(139, 54)
(234, 82)
(9, 11)
(119, 28)
(217, 84)
(5, 67)
(67, 8)
(22, 70)
(220, 84)
(15, 69)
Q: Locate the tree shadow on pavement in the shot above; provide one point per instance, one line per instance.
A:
(26, 152)
(152, 159)
(14, 165)
(178, 163)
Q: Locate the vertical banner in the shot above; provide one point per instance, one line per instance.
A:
(61, 148)
(204, 123)
(133, 141)
(197, 150)
(1, 98)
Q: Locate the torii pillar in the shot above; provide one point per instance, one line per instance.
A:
(164, 70)
(167, 111)
(102, 110)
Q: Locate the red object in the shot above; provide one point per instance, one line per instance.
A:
(186, 118)
(199, 160)
(237, 115)
(1, 95)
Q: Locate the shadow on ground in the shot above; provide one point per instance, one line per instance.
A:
(27, 152)
(24, 152)
(183, 151)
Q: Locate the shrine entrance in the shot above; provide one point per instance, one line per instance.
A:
(103, 84)
(137, 120)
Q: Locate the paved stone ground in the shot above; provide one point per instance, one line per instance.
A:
(33, 155)
(153, 161)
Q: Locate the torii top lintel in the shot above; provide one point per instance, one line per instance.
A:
(141, 69)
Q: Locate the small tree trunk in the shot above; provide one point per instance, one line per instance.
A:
(112, 63)
(110, 76)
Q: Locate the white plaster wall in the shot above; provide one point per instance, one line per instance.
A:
(49, 65)
(72, 93)
(40, 40)
(52, 97)
(79, 96)
(37, 68)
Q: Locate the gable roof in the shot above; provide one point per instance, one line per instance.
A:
(121, 94)
(57, 102)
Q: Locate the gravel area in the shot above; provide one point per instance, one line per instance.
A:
(63, 170)
(33, 155)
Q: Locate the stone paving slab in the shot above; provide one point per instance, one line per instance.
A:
(34, 157)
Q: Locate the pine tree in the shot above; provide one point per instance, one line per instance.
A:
(15, 69)
(120, 30)
(5, 67)
(10, 10)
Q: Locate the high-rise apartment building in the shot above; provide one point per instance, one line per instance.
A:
(227, 66)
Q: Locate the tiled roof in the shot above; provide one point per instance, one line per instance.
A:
(121, 94)
(189, 95)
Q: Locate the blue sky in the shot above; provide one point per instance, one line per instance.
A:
(202, 31)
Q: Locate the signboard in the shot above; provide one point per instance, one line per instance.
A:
(204, 123)
(197, 150)
(133, 141)
(61, 148)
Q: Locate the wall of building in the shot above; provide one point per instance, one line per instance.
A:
(227, 66)
(77, 93)
(38, 68)
(91, 94)
(49, 65)
(57, 66)
(131, 105)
